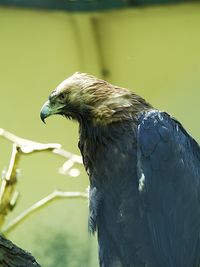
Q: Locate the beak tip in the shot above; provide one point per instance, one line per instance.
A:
(43, 120)
(45, 112)
(43, 116)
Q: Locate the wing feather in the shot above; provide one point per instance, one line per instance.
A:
(169, 171)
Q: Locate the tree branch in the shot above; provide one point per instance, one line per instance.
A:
(12, 256)
(8, 195)
(27, 146)
(41, 204)
(8, 185)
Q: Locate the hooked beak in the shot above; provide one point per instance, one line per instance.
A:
(49, 109)
(46, 111)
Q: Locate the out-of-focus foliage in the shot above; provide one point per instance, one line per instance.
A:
(57, 251)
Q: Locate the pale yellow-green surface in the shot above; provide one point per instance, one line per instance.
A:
(159, 56)
(155, 51)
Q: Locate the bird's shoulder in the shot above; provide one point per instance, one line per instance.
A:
(156, 127)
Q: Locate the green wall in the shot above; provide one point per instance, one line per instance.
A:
(154, 51)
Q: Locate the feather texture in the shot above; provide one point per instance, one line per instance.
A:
(144, 172)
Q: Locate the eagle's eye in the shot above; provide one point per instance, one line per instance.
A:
(62, 97)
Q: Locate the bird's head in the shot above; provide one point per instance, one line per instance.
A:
(85, 98)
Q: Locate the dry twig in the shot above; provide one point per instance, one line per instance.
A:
(8, 195)
(41, 204)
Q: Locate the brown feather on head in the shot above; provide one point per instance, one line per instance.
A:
(85, 97)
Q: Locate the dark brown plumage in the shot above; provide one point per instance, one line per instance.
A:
(97, 100)
(144, 172)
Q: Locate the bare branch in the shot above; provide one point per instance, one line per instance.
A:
(27, 146)
(8, 195)
(8, 185)
(41, 204)
(68, 155)
(12, 256)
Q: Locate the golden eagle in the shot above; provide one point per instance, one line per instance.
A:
(144, 172)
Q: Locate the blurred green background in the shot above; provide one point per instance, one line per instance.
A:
(153, 50)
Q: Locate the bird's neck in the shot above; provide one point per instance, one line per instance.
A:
(103, 146)
(122, 109)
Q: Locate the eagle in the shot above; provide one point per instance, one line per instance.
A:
(144, 174)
